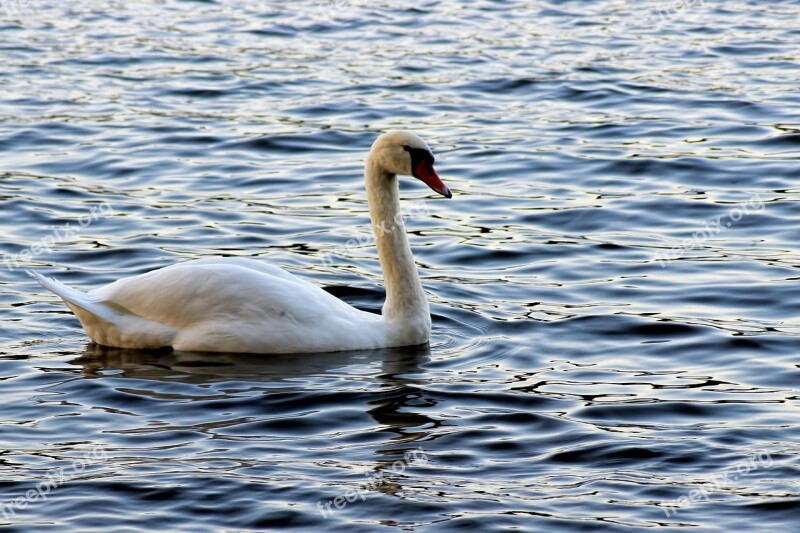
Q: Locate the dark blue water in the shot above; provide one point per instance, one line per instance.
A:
(614, 284)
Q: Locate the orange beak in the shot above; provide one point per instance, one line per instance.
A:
(424, 171)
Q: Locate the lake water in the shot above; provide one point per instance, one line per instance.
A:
(614, 285)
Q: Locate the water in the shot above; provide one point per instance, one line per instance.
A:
(578, 378)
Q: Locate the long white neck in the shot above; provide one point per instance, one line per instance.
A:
(405, 298)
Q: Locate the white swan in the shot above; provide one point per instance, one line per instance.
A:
(243, 305)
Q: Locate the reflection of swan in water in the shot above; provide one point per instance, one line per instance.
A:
(396, 407)
(203, 367)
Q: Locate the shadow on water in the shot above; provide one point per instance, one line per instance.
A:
(204, 367)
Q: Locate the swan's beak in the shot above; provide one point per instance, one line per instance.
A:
(425, 172)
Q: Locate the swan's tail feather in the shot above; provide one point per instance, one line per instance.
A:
(68, 294)
(106, 323)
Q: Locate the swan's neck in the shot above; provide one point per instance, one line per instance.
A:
(405, 298)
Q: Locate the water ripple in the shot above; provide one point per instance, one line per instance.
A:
(576, 380)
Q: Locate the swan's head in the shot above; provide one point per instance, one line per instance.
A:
(402, 152)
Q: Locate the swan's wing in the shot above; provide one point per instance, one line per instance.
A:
(246, 262)
(185, 294)
(221, 305)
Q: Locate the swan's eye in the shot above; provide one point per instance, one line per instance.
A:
(419, 155)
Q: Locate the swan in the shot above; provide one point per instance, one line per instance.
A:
(241, 305)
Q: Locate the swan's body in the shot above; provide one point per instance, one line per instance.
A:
(244, 305)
